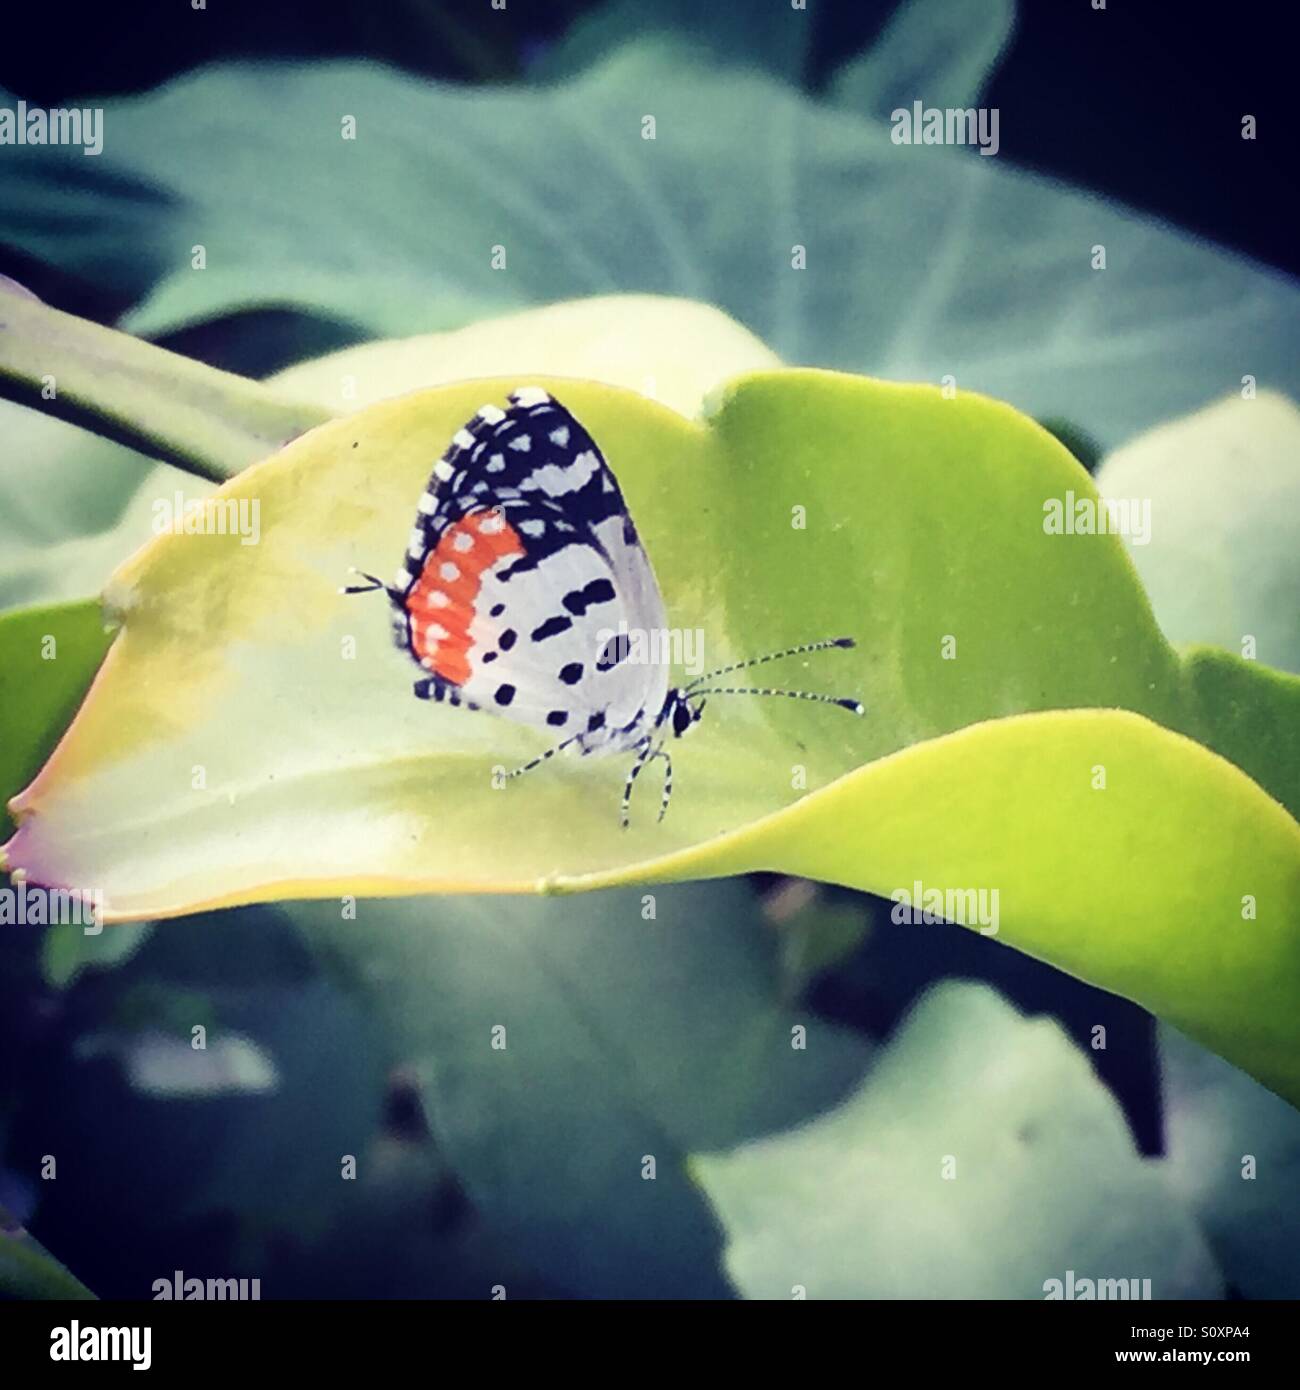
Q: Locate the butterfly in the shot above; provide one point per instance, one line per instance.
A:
(524, 588)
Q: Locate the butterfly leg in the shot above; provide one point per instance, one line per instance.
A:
(542, 757)
(668, 779)
(643, 757)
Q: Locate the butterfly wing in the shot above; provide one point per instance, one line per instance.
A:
(522, 568)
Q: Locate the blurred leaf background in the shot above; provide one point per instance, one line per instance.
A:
(635, 1036)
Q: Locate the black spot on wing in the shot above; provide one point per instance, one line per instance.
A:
(597, 591)
(552, 627)
(614, 651)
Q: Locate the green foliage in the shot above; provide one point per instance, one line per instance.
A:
(1073, 809)
(667, 1036)
(28, 1270)
(946, 49)
(922, 261)
(72, 507)
(48, 656)
(67, 951)
(980, 1159)
(1223, 486)
(561, 1044)
(212, 422)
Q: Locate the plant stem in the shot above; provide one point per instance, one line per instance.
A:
(208, 422)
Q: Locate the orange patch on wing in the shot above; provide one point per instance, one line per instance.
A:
(445, 593)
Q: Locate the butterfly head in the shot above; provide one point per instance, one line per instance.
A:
(679, 713)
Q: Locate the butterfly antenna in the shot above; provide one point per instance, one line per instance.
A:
(771, 656)
(368, 587)
(850, 704)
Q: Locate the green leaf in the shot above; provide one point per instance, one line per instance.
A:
(28, 1270)
(68, 952)
(1223, 486)
(73, 505)
(1192, 869)
(941, 51)
(48, 657)
(1248, 714)
(61, 491)
(168, 406)
(677, 354)
(338, 782)
(908, 272)
(980, 1159)
(562, 1044)
(775, 39)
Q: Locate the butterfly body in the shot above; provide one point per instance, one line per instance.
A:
(522, 580)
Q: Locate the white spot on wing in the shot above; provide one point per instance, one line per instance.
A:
(555, 480)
